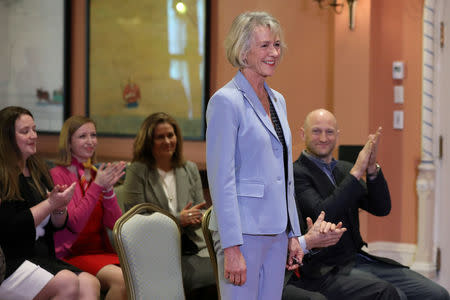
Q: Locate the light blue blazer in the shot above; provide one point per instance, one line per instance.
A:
(244, 159)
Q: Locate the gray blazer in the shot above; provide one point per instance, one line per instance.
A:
(143, 184)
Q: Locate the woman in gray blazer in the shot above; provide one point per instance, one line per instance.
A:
(159, 175)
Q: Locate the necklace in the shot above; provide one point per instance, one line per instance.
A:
(169, 186)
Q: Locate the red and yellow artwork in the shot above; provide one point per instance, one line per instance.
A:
(145, 57)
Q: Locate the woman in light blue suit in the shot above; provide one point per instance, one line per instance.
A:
(254, 222)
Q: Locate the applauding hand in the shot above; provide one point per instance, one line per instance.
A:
(61, 195)
(108, 174)
(192, 215)
(372, 164)
(322, 234)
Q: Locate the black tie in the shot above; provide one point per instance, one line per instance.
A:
(279, 130)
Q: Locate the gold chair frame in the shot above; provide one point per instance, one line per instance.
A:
(210, 245)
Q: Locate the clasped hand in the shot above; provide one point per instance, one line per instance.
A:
(295, 254)
(192, 215)
(367, 157)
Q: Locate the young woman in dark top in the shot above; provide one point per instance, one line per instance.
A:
(31, 209)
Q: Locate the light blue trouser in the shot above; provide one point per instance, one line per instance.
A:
(265, 257)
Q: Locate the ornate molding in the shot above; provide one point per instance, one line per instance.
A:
(424, 261)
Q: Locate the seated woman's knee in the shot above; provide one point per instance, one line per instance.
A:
(89, 284)
(67, 284)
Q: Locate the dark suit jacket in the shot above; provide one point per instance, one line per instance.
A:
(315, 192)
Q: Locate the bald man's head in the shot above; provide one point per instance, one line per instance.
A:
(318, 114)
(320, 133)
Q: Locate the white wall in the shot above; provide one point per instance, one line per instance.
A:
(31, 56)
(4, 53)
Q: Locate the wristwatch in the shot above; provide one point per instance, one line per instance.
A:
(373, 175)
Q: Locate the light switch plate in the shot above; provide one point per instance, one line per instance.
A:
(398, 94)
(398, 119)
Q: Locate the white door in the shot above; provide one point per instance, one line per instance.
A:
(442, 110)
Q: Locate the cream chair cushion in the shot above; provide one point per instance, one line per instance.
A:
(149, 250)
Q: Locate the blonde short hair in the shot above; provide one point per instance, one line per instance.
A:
(238, 40)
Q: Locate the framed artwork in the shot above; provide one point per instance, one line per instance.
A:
(146, 57)
(33, 72)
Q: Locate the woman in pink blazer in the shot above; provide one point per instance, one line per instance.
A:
(84, 242)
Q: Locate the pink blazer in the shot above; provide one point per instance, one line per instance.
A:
(80, 209)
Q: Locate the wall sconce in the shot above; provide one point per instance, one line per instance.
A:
(338, 7)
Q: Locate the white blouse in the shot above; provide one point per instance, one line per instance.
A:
(40, 231)
(169, 185)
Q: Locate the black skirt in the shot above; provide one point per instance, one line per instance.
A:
(46, 259)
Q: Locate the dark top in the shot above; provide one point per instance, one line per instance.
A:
(341, 202)
(18, 233)
(279, 130)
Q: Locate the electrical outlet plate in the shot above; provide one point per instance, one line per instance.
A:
(398, 119)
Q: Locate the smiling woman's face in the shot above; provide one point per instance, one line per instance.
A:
(84, 142)
(264, 54)
(26, 135)
(164, 141)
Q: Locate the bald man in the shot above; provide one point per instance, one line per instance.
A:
(339, 188)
